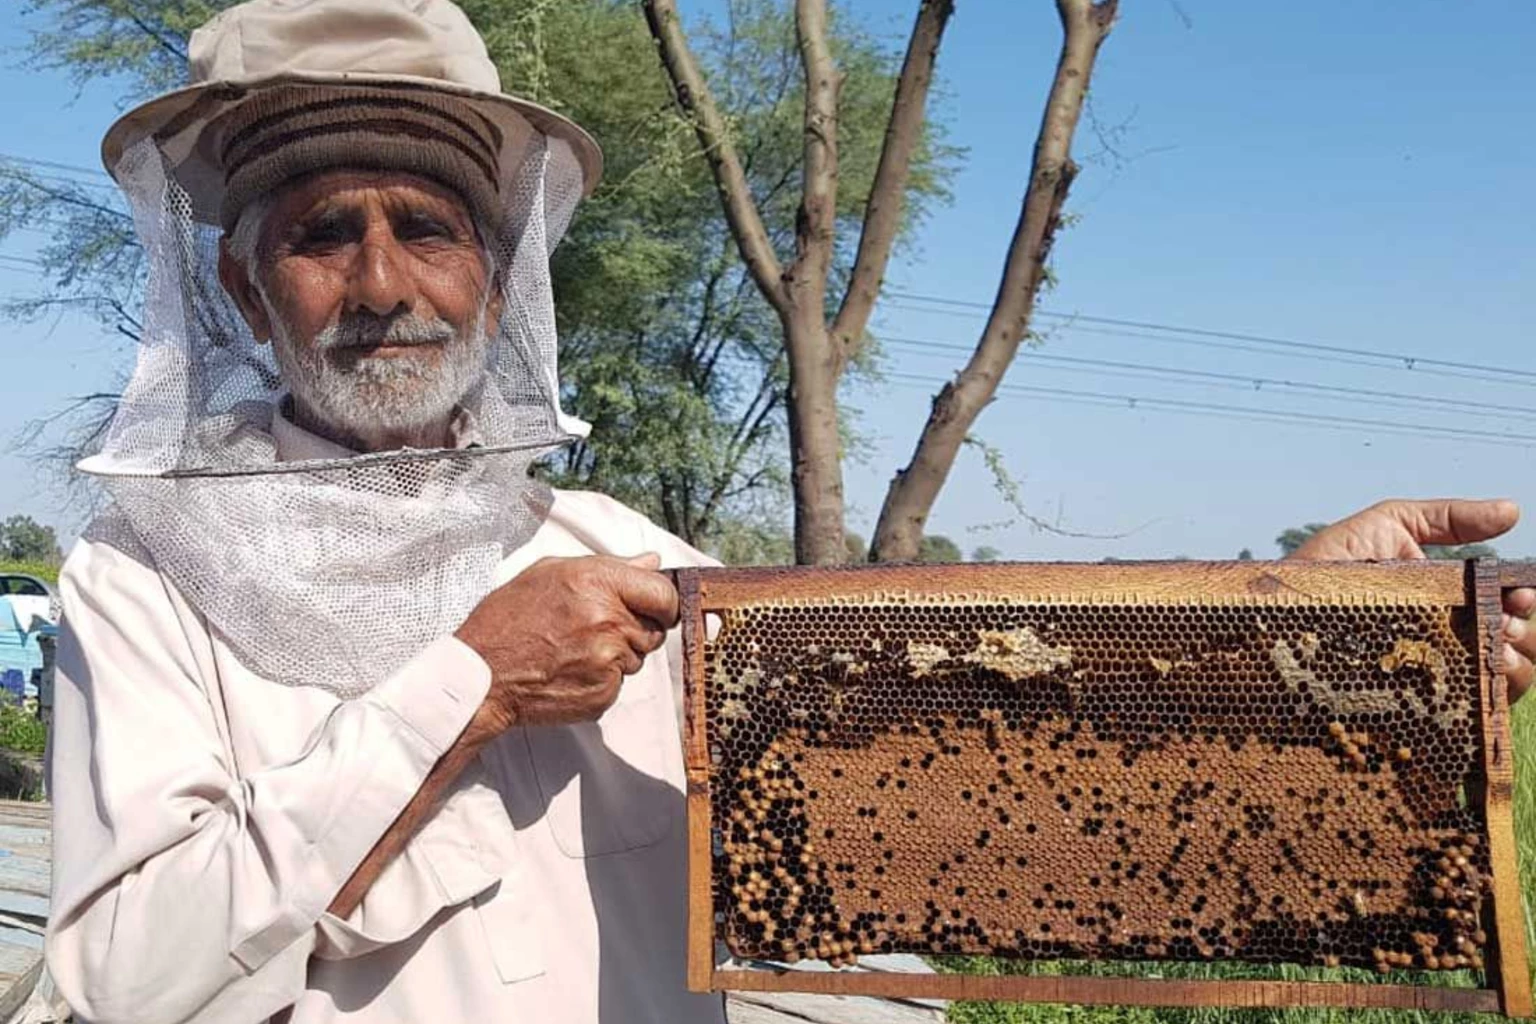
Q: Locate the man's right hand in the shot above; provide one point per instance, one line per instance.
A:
(561, 635)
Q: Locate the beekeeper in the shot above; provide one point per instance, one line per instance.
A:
(356, 720)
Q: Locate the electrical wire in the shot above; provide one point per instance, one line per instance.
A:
(1407, 360)
(1144, 371)
(1140, 403)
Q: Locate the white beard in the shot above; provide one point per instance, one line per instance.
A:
(335, 379)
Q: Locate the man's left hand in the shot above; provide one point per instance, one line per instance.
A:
(1400, 529)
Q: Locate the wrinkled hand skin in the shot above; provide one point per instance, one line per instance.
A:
(561, 636)
(1400, 529)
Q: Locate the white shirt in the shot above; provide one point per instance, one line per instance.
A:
(204, 818)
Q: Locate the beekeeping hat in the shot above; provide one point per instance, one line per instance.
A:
(332, 568)
(283, 88)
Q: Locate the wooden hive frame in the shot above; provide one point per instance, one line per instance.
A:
(1474, 587)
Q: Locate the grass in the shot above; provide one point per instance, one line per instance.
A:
(42, 570)
(1011, 1013)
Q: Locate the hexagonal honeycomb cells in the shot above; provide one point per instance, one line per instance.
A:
(1174, 781)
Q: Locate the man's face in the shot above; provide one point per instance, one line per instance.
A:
(374, 289)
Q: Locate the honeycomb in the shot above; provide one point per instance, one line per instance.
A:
(1288, 782)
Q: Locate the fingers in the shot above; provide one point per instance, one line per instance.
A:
(649, 560)
(1520, 687)
(1452, 521)
(647, 593)
(629, 660)
(1520, 603)
(648, 636)
(644, 636)
(1519, 653)
(1518, 672)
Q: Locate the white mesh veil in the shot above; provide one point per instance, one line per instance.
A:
(325, 573)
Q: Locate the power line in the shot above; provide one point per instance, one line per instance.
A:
(98, 187)
(54, 165)
(1235, 346)
(1407, 360)
(1397, 399)
(1349, 423)
(1240, 413)
(91, 189)
(1222, 411)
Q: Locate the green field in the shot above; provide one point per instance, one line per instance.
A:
(1004, 1013)
(42, 570)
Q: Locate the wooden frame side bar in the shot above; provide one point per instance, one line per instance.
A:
(701, 910)
(1112, 991)
(1510, 968)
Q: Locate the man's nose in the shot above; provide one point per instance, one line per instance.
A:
(381, 281)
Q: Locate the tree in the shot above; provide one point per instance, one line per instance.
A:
(23, 539)
(938, 548)
(1294, 537)
(666, 347)
(1245, 555)
(822, 332)
(986, 553)
(1460, 552)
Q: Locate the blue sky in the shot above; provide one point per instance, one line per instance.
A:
(1350, 174)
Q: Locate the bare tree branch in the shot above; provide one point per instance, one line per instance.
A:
(769, 394)
(1085, 24)
(694, 98)
(882, 214)
(817, 218)
(159, 38)
(717, 272)
(815, 364)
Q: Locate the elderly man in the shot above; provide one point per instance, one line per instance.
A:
(354, 719)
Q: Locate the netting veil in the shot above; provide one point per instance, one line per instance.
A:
(335, 572)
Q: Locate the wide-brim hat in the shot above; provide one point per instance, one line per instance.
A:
(286, 87)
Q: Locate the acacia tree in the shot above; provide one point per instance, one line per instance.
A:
(666, 345)
(821, 332)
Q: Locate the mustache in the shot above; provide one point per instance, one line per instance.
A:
(365, 330)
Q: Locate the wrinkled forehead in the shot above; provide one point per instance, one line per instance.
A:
(361, 191)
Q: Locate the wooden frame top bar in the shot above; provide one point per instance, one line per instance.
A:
(1417, 582)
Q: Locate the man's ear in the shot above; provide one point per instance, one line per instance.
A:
(238, 284)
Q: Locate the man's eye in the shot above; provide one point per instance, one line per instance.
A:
(325, 235)
(415, 229)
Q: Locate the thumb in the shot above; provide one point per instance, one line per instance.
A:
(1453, 521)
(649, 560)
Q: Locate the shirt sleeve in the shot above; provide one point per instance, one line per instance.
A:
(182, 890)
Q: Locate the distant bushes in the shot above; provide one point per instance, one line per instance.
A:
(21, 731)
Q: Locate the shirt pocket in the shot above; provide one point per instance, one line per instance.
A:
(508, 915)
(603, 784)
